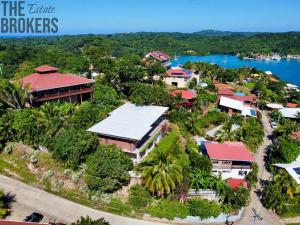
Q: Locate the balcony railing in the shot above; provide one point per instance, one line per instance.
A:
(63, 94)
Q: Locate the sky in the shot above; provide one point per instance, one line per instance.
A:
(114, 16)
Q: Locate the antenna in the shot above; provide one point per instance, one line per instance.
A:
(256, 216)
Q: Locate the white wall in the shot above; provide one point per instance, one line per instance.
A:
(234, 173)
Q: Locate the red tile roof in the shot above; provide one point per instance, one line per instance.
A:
(296, 135)
(46, 68)
(159, 55)
(291, 105)
(179, 72)
(247, 98)
(232, 151)
(235, 183)
(225, 91)
(47, 79)
(184, 94)
(8, 222)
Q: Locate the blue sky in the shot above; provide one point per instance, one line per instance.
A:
(110, 16)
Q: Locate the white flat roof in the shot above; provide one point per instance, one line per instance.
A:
(275, 106)
(292, 168)
(129, 121)
(290, 112)
(231, 103)
(237, 105)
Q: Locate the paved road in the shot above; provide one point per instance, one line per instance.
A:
(57, 207)
(268, 216)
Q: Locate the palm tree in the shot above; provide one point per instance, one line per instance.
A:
(12, 94)
(161, 172)
(286, 184)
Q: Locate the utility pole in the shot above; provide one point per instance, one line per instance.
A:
(256, 216)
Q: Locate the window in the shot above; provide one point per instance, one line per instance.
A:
(242, 173)
(226, 162)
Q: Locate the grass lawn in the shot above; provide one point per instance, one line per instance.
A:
(293, 224)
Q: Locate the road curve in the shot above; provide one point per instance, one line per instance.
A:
(60, 208)
(268, 216)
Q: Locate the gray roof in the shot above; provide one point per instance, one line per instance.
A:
(129, 121)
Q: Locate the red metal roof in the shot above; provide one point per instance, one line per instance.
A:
(225, 91)
(50, 80)
(296, 135)
(247, 98)
(159, 55)
(232, 151)
(46, 68)
(184, 94)
(291, 105)
(8, 222)
(235, 183)
(179, 72)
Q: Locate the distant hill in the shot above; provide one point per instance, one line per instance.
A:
(217, 33)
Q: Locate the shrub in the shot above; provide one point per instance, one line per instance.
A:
(108, 169)
(67, 172)
(139, 197)
(204, 208)
(8, 149)
(48, 174)
(59, 184)
(73, 146)
(169, 209)
(34, 157)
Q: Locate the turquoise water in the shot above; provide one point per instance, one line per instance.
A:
(287, 70)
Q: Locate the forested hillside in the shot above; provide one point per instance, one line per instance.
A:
(75, 53)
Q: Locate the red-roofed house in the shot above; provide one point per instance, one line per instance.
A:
(159, 56)
(235, 183)
(47, 84)
(188, 97)
(230, 159)
(228, 93)
(179, 77)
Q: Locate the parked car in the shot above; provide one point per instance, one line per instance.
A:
(34, 217)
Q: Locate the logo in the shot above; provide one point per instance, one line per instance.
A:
(23, 17)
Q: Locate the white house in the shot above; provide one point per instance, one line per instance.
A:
(179, 77)
(229, 159)
(293, 169)
(134, 129)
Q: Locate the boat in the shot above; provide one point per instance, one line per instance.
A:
(225, 60)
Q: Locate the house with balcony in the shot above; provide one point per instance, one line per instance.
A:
(47, 84)
(179, 77)
(134, 129)
(229, 159)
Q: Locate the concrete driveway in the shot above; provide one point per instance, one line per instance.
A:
(29, 199)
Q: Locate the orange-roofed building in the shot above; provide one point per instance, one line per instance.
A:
(47, 84)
